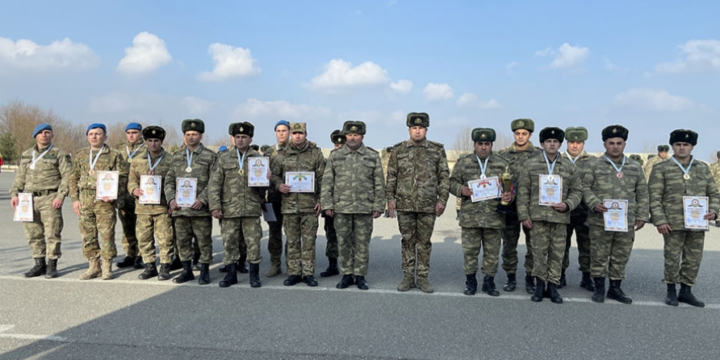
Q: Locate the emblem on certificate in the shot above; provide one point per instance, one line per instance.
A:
(484, 189)
(150, 185)
(695, 208)
(107, 185)
(551, 189)
(24, 209)
(616, 216)
(257, 176)
(300, 181)
(186, 191)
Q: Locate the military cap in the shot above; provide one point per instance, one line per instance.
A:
(222, 148)
(337, 137)
(265, 149)
(718, 154)
(241, 128)
(483, 134)
(282, 122)
(354, 127)
(578, 134)
(96, 126)
(153, 132)
(40, 128)
(552, 133)
(298, 127)
(255, 147)
(682, 135)
(614, 131)
(526, 124)
(418, 119)
(663, 148)
(193, 125)
(133, 126)
(637, 158)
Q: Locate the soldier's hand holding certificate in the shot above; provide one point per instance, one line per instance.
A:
(695, 208)
(616, 215)
(300, 181)
(107, 185)
(186, 192)
(484, 189)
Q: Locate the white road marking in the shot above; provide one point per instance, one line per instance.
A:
(5, 335)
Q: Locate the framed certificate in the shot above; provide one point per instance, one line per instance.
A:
(185, 191)
(300, 181)
(695, 208)
(484, 189)
(151, 186)
(616, 216)
(107, 185)
(551, 189)
(24, 209)
(257, 176)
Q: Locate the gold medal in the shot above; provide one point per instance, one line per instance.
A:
(129, 160)
(619, 175)
(241, 171)
(188, 169)
(686, 176)
(91, 172)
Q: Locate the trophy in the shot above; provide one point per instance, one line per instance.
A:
(506, 181)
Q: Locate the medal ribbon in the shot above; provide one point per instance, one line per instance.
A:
(34, 160)
(547, 162)
(482, 166)
(613, 163)
(188, 157)
(571, 158)
(685, 171)
(93, 162)
(130, 156)
(150, 165)
(241, 159)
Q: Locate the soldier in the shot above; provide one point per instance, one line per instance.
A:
(331, 247)
(661, 156)
(97, 216)
(385, 161)
(715, 171)
(521, 150)
(417, 187)
(127, 216)
(670, 181)
(480, 221)
(238, 205)
(195, 161)
(613, 176)
(549, 188)
(637, 158)
(576, 137)
(354, 192)
(300, 210)
(43, 171)
(153, 220)
(275, 244)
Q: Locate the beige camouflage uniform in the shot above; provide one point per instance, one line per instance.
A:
(127, 214)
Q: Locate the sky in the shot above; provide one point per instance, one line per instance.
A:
(652, 66)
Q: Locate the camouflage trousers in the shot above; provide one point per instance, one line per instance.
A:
(128, 219)
(241, 236)
(510, 236)
(582, 238)
(688, 247)
(97, 218)
(416, 230)
(354, 232)
(301, 233)
(475, 238)
(198, 227)
(610, 252)
(331, 246)
(275, 243)
(44, 232)
(151, 228)
(548, 249)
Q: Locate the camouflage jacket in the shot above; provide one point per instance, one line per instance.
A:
(528, 193)
(51, 172)
(582, 210)
(517, 158)
(229, 191)
(481, 214)
(667, 188)
(418, 176)
(600, 182)
(307, 158)
(203, 162)
(649, 166)
(715, 171)
(273, 195)
(109, 160)
(353, 182)
(140, 166)
(126, 149)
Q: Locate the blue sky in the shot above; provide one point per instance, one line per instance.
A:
(652, 66)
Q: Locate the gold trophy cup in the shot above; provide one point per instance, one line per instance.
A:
(506, 181)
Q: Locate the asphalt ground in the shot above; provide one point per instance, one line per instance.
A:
(127, 318)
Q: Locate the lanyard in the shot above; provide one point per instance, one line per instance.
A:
(618, 169)
(150, 165)
(571, 158)
(188, 157)
(130, 156)
(34, 160)
(241, 159)
(686, 172)
(550, 167)
(482, 166)
(93, 162)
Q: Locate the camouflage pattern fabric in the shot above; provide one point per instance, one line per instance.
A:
(275, 243)
(353, 182)
(229, 191)
(203, 162)
(139, 167)
(418, 176)
(582, 238)
(715, 171)
(198, 227)
(548, 250)
(610, 251)
(331, 246)
(242, 235)
(151, 228)
(650, 164)
(44, 232)
(416, 229)
(301, 233)
(354, 232)
(307, 158)
(683, 252)
(127, 213)
(473, 239)
(481, 214)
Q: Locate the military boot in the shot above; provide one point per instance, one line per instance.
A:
(40, 268)
(686, 296)
(51, 269)
(186, 274)
(539, 291)
(176, 264)
(488, 286)
(616, 293)
(587, 282)
(529, 284)
(150, 272)
(139, 264)
(196, 261)
(424, 285)
(554, 295)
(275, 267)
(204, 278)
(470, 284)
(93, 271)
(332, 268)
(107, 273)
(292, 280)
(230, 277)
(128, 261)
(310, 280)
(511, 283)
(563, 280)
(164, 273)
(255, 275)
(346, 281)
(362, 284)
(241, 268)
(671, 298)
(407, 283)
(599, 294)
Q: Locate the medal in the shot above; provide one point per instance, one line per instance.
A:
(130, 156)
(150, 172)
(483, 166)
(34, 160)
(686, 176)
(188, 157)
(550, 167)
(240, 172)
(619, 175)
(188, 169)
(550, 178)
(32, 166)
(241, 161)
(91, 172)
(686, 172)
(129, 160)
(152, 167)
(92, 162)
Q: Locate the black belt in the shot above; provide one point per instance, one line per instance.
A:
(44, 192)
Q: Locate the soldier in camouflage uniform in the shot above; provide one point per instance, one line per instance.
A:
(417, 187)
(195, 161)
(521, 150)
(480, 221)
(331, 247)
(715, 171)
(154, 222)
(613, 176)
(238, 205)
(637, 158)
(670, 181)
(129, 150)
(385, 160)
(662, 155)
(275, 243)
(353, 191)
(97, 216)
(43, 171)
(300, 210)
(548, 223)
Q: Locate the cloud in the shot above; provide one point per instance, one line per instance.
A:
(544, 52)
(471, 100)
(402, 86)
(609, 66)
(695, 56)
(653, 100)
(434, 92)
(566, 56)
(147, 54)
(196, 105)
(58, 55)
(341, 74)
(229, 62)
(254, 109)
(510, 66)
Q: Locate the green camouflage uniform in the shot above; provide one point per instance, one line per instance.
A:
(275, 243)
(648, 167)
(578, 224)
(126, 214)
(49, 181)
(715, 171)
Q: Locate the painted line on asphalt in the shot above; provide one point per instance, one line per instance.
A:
(4, 335)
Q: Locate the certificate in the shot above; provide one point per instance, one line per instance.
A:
(695, 208)
(150, 186)
(257, 176)
(107, 185)
(24, 209)
(616, 216)
(186, 191)
(551, 189)
(300, 181)
(484, 189)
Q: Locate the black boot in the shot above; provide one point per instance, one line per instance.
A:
(332, 269)
(554, 294)
(196, 262)
(40, 268)
(223, 268)
(139, 263)
(310, 280)
(164, 273)
(599, 294)
(230, 277)
(529, 284)
(51, 271)
(186, 274)
(128, 261)
(586, 282)
(686, 296)
(150, 272)
(255, 275)
(292, 280)
(671, 297)
(241, 268)
(346, 281)
(511, 283)
(616, 293)
(538, 291)
(563, 281)
(489, 286)
(176, 264)
(471, 284)
(362, 284)
(204, 278)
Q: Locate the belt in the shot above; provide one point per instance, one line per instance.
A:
(44, 192)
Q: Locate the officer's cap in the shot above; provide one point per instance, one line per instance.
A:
(337, 137)
(526, 124)
(483, 134)
(683, 135)
(552, 133)
(193, 125)
(418, 119)
(354, 127)
(615, 131)
(578, 134)
(241, 128)
(153, 132)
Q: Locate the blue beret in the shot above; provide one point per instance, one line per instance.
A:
(222, 148)
(282, 122)
(133, 126)
(40, 128)
(96, 126)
